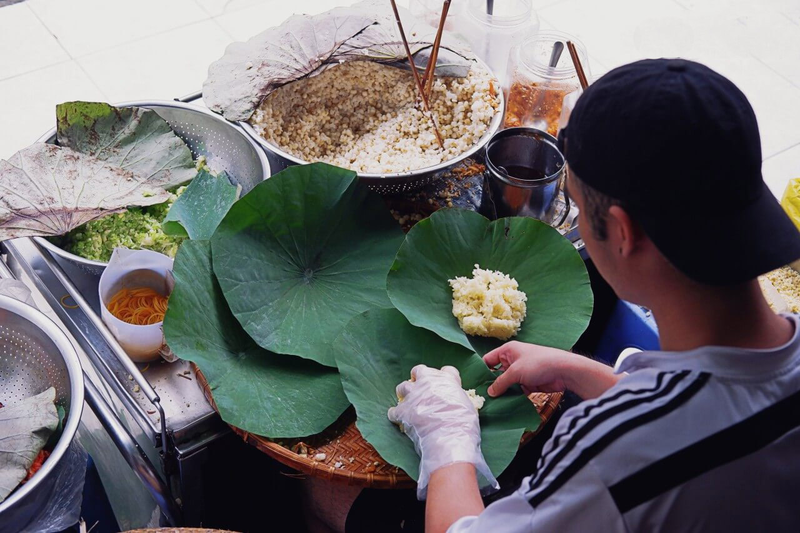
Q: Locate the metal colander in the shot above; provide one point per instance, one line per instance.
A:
(34, 356)
(225, 146)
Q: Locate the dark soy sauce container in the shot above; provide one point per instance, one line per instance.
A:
(525, 171)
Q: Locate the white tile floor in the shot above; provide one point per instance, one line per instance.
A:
(56, 50)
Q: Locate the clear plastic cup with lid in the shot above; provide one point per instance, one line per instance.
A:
(493, 27)
(536, 89)
(430, 12)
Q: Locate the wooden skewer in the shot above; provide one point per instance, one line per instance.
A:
(430, 70)
(416, 75)
(573, 52)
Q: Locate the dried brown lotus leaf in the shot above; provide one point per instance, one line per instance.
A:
(306, 45)
(47, 190)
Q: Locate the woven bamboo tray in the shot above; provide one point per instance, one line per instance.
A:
(179, 530)
(349, 459)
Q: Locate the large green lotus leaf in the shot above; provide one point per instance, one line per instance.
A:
(202, 206)
(303, 253)
(136, 139)
(452, 241)
(257, 391)
(377, 350)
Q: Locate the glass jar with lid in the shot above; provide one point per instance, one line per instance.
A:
(537, 90)
(493, 27)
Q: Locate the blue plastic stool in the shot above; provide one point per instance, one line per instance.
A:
(629, 326)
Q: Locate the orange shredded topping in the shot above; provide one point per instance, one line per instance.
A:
(140, 307)
(41, 457)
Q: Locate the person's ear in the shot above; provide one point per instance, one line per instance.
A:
(623, 230)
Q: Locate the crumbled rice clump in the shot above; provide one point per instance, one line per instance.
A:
(784, 281)
(476, 399)
(489, 304)
(364, 116)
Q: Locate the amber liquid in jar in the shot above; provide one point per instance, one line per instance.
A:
(537, 89)
(529, 102)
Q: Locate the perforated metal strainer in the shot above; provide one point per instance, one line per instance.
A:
(34, 356)
(225, 146)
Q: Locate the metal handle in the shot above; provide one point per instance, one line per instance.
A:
(566, 202)
(108, 337)
(191, 97)
(132, 453)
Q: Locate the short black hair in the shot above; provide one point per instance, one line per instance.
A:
(595, 207)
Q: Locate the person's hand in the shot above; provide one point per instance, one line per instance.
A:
(542, 369)
(439, 418)
(534, 368)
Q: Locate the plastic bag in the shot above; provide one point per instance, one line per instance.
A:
(17, 290)
(791, 201)
(64, 508)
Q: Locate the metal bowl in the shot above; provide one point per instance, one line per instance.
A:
(34, 356)
(396, 182)
(207, 134)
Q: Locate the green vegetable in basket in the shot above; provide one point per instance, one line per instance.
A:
(254, 390)
(377, 350)
(303, 253)
(137, 228)
(449, 244)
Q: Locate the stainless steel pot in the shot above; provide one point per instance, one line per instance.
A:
(390, 183)
(207, 134)
(517, 195)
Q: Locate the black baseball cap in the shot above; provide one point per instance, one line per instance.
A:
(678, 145)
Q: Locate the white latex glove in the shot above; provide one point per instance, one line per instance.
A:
(439, 418)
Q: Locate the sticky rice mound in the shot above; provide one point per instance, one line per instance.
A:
(489, 304)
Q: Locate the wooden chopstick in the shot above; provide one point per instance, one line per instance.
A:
(430, 70)
(573, 52)
(416, 74)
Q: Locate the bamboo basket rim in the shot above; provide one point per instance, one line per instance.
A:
(373, 471)
(178, 530)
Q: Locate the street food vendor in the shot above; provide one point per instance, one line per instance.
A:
(665, 165)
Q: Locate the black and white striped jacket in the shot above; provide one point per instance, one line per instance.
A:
(703, 440)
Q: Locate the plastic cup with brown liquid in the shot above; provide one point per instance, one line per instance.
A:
(525, 170)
